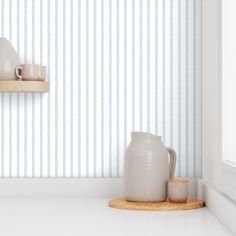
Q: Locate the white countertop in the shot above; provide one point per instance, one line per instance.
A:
(44, 217)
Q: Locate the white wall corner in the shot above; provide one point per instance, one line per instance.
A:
(219, 204)
(210, 90)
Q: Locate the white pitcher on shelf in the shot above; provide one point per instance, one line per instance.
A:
(147, 168)
(9, 59)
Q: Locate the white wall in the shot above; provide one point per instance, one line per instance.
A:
(210, 90)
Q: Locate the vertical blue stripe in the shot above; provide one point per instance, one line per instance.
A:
(10, 100)
(102, 88)
(25, 95)
(56, 88)
(171, 73)
(10, 135)
(156, 67)
(49, 97)
(25, 30)
(64, 89)
(40, 134)
(71, 90)
(110, 89)
(164, 72)
(3, 132)
(10, 19)
(41, 98)
(79, 88)
(141, 67)
(18, 97)
(187, 95)
(95, 89)
(33, 95)
(118, 90)
(18, 27)
(25, 137)
(133, 65)
(87, 88)
(148, 65)
(194, 89)
(179, 88)
(200, 92)
(3, 15)
(125, 73)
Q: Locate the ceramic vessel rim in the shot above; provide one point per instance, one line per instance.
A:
(136, 133)
(178, 180)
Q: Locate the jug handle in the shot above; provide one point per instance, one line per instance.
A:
(172, 163)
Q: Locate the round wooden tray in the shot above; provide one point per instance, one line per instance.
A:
(121, 203)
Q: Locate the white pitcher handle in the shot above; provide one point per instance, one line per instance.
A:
(172, 163)
(17, 72)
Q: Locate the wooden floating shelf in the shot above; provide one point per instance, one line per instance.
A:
(121, 203)
(8, 86)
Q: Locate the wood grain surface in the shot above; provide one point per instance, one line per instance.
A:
(23, 86)
(121, 203)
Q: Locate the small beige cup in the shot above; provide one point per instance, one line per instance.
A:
(178, 190)
(31, 72)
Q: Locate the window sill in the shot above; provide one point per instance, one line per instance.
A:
(227, 179)
(94, 217)
(78, 198)
(219, 204)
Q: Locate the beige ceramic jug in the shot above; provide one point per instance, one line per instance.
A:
(147, 168)
(9, 59)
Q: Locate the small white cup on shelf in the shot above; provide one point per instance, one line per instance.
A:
(178, 190)
(31, 72)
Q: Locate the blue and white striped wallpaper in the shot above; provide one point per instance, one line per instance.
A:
(114, 66)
